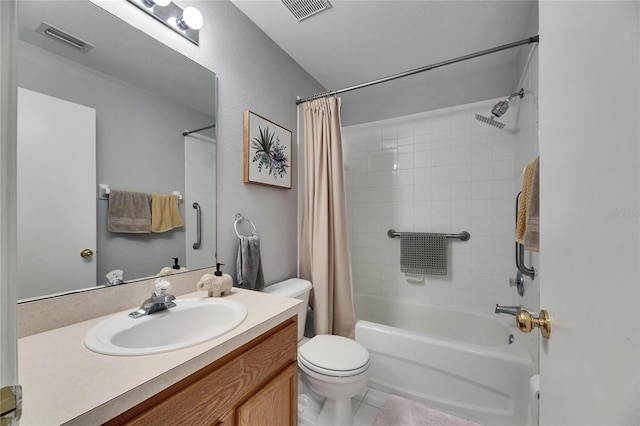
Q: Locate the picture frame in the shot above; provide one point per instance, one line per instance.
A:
(267, 152)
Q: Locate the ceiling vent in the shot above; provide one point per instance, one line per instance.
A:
(303, 9)
(63, 37)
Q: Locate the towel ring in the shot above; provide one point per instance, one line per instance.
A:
(240, 218)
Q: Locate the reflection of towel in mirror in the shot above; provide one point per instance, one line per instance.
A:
(129, 212)
(165, 214)
(249, 264)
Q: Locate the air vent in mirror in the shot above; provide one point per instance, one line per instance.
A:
(63, 37)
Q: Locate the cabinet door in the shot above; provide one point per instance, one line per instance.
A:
(273, 405)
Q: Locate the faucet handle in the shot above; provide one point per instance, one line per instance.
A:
(162, 287)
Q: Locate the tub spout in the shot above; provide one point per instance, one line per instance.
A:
(511, 310)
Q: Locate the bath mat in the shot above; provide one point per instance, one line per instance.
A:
(398, 411)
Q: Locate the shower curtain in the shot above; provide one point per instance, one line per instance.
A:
(324, 254)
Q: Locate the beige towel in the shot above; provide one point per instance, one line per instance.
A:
(532, 233)
(129, 212)
(523, 206)
(165, 214)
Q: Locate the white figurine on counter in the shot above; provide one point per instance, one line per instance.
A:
(216, 284)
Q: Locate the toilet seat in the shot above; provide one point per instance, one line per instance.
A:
(334, 356)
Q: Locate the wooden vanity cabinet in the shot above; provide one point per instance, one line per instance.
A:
(254, 385)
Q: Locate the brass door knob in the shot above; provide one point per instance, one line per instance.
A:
(86, 253)
(527, 322)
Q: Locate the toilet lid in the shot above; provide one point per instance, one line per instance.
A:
(334, 355)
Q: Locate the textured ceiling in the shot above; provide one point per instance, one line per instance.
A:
(358, 41)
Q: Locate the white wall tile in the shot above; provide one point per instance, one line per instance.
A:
(461, 191)
(422, 175)
(440, 174)
(482, 171)
(441, 191)
(482, 190)
(440, 171)
(481, 152)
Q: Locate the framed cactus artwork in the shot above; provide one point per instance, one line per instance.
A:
(267, 152)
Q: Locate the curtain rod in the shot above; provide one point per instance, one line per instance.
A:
(534, 39)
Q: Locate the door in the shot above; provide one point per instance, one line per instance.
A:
(590, 201)
(56, 175)
(9, 388)
(200, 188)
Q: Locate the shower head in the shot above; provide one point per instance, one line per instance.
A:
(498, 110)
(502, 106)
(490, 121)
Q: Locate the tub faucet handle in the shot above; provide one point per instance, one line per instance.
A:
(518, 282)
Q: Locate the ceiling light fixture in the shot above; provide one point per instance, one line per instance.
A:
(191, 18)
(185, 22)
(151, 3)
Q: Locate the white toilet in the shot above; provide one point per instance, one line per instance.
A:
(332, 369)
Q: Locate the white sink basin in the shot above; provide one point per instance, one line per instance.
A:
(191, 322)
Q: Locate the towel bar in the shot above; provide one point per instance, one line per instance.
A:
(104, 191)
(463, 236)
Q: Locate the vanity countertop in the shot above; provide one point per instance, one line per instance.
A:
(63, 382)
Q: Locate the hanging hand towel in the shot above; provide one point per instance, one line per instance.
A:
(249, 264)
(423, 253)
(532, 233)
(129, 212)
(523, 205)
(165, 214)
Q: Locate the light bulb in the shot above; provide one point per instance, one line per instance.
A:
(191, 18)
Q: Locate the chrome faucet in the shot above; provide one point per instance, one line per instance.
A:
(511, 310)
(160, 300)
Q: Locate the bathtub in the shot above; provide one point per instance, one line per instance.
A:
(452, 360)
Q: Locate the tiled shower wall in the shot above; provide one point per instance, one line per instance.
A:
(526, 151)
(440, 171)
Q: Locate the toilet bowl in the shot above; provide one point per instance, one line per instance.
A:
(335, 368)
(332, 369)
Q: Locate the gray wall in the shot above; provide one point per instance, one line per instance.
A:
(253, 74)
(139, 148)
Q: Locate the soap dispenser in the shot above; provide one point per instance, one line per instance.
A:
(176, 265)
(216, 284)
(218, 272)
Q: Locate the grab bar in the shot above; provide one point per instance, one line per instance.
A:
(196, 245)
(464, 235)
(519, 254)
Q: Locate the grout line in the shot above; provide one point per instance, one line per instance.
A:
(360, 402)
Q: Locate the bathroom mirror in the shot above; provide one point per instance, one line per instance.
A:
(141, 95)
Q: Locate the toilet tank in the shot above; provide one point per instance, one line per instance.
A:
(296, 288)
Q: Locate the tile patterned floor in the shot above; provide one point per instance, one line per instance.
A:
(366, 406)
